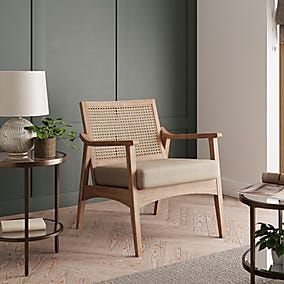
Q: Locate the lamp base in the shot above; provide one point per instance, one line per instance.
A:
(17, 156)
(14, 139)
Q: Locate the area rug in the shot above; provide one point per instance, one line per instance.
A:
(222, 268)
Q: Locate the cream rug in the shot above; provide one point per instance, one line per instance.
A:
(222, 268)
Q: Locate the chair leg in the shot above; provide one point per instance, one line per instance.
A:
(136, 227)
(156, 207)
(218, 200)
(80, 213)
(83, 182)
(219, 213)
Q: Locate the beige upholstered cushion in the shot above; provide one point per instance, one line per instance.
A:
(154, 173)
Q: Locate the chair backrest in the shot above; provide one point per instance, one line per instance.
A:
(123, 120)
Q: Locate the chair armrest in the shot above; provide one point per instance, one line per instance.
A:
(130, 155)
(90, 142)
(165, 134)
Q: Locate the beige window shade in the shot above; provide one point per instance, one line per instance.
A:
(280, 12)
(280, 18)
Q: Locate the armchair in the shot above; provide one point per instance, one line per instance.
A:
(126, 152)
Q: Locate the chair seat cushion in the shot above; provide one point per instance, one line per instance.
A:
(156, 173)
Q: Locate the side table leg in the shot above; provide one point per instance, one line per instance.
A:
(280, 214)
(252, 244)
(56, 205)
(27, 192)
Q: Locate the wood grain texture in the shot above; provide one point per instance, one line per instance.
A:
(184, 228)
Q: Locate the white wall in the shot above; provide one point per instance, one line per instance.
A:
(273, 107)
(235, 61)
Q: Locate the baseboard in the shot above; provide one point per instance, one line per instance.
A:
(232, 187)
(39, 203)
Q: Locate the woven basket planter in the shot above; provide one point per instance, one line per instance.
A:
(45, 148)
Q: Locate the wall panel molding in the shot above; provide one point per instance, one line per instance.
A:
(101, 50)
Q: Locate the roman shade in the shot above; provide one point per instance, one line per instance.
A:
(280, 18)
(280, 12)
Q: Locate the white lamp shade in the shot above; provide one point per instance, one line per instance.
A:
(23, 93)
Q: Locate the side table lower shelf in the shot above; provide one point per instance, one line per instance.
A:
(53, 229)
(53, 226)
(264, 265)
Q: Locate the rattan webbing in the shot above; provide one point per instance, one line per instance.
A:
(124, 122)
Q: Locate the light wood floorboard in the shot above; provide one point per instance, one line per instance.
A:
(184, 228)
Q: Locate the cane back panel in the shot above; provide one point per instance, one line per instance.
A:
(123, 120)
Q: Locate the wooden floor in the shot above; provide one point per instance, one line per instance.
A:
(184, 228)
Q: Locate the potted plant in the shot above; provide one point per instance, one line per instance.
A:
(46, 134)
(271, 238)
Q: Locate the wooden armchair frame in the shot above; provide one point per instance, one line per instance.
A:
(133, 197)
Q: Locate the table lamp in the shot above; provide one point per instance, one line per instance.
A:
(22, 94)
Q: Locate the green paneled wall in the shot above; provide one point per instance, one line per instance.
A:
(15, 38)
(74, 42)
(100, 50)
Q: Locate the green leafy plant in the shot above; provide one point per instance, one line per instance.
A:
(271, 238)
(54, 128)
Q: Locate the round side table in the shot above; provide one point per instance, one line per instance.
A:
(53, 226)
(260, 262)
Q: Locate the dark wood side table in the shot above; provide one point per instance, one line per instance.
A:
(53, 227)
(255, 262)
